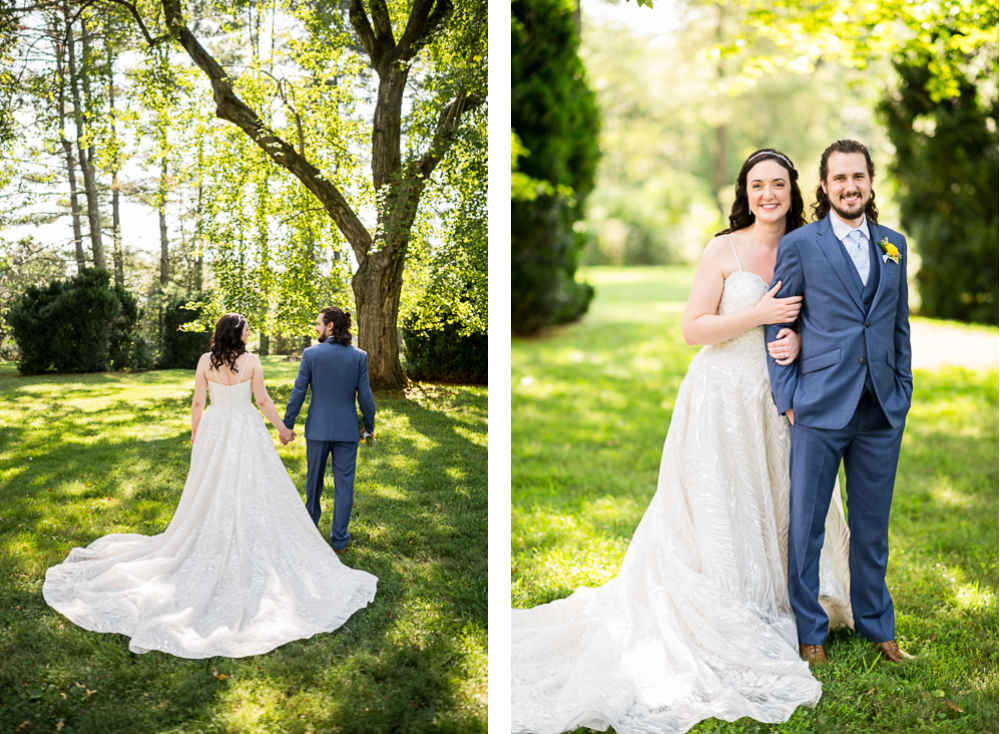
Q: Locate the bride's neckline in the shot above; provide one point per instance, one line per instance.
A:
(748, 272)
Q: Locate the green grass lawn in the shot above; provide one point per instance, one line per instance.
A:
(591, 406)
(86, 455)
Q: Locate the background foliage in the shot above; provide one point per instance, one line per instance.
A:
(556, 120)
(89, 93)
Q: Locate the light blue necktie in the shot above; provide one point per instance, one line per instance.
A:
(859, 254)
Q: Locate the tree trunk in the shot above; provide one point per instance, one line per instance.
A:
(377, 287)
(74, 202)
(720, 178)
(162, 210)
(199, 262)
(85, 155)
(116, 222)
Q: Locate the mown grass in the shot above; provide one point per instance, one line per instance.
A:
(591, 406)
(86, 455)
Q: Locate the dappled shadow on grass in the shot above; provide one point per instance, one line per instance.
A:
(402, 664)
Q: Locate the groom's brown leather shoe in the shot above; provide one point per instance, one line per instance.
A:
(813, 654)
(892, 652)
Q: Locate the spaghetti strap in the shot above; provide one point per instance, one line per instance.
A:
(734, 252)
(247, 362)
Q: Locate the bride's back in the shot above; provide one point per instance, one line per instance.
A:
(224, 374)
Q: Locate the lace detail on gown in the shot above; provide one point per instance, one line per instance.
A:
(697, 623)
(240, 570)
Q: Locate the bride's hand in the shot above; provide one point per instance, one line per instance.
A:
(786, 347)
(771, 310)
(286, 435)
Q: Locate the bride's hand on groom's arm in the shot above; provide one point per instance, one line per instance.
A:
(773, 310)
(786, 347)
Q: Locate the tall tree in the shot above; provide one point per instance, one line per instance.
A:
(79, 62)
(448, 46)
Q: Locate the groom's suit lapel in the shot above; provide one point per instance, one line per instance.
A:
(828, 244)
(883, 263)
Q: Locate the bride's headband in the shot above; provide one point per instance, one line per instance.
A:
(776, 154)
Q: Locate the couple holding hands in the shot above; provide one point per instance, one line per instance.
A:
(241, 569)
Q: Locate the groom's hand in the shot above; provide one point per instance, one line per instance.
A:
(791, 415)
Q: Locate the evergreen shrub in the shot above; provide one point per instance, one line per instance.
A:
(78, 324)
(181, 349)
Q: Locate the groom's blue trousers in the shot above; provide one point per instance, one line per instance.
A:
(345, 460)
(869, 447)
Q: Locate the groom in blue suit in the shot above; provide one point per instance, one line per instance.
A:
(338, 375)
(848, 393)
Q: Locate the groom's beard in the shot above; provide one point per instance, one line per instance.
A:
(854, 213)
(321, 339)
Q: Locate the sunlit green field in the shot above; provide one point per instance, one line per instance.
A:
(591, 406)
(86, 455)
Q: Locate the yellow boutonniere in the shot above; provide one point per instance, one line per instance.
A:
(891, 253)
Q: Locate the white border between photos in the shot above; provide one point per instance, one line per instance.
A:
(498, 584)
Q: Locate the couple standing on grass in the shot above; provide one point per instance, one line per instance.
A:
(743, 559)
(240, 570)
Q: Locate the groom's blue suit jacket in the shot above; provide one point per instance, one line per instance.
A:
(843, 338)
(338, 375)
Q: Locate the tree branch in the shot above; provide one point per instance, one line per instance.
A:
(383, 24)
(363, 27)
(423, 24)
(448, 123)
(142, 26)
(230, 107)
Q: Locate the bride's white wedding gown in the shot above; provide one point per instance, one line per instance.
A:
(697, 623)
(240, 570)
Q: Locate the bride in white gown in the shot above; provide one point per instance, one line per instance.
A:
(697, 623)
(241, 569)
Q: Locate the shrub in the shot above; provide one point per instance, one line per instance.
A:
(947, 165)
(443, 354)
(555, 116)
(128, 349)
(71, 324)
(181, 349)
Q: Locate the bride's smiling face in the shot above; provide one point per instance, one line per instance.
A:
(768, 191)
(246, 332)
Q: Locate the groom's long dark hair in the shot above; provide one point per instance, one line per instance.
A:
(227, 341)
(341, 321)
(741, 217)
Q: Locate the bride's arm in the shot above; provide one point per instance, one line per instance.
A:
(200, 391)
(703, 325)
(264, 401)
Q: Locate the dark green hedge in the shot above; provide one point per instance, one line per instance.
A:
(946, 163)
(181, 349)
(78, 324)
(555, 115)
(443, 355)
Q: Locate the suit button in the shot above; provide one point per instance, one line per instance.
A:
(863, 361)
(866, 301)
(867, 324)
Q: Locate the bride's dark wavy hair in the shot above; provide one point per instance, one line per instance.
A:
(822, 206)
(227, 341)
(741, 217)
(341, 321)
